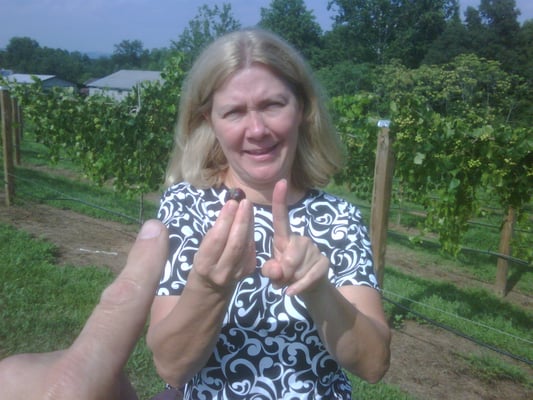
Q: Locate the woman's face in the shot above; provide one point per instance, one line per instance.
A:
(255, 117)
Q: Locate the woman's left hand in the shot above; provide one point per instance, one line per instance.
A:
(297, 262)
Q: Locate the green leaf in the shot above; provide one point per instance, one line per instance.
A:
(419, 158)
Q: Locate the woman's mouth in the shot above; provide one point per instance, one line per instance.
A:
(261, 151)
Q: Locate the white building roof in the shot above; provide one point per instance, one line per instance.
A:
(125, 79)
(28, 78)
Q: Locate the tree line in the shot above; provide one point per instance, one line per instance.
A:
(364, 33)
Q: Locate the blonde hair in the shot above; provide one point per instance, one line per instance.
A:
(198, 159)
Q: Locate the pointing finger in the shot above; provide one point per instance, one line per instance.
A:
(280, 215)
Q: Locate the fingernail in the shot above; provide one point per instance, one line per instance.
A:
(149, 230)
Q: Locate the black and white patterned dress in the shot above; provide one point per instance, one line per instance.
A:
(269, 347)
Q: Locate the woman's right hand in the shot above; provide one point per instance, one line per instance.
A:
(227, 252)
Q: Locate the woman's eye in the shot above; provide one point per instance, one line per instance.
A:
(274, 105)
(232, 113)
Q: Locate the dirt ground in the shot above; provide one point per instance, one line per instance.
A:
(426, 361)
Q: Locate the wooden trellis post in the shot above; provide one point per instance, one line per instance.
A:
(7, 144)
(16, 125)
(381, 195)
(502, 265)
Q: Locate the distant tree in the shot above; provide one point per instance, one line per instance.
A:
(130, 54)
(78, 67)
(158, 58)
(501, 16)
(378, 31)
(476, 30)
(206, 26)
(494, 32)
(337, 48)
(501, 20)
(362, 29)
(418, 25)
(295, 23)
(25, 55)
(22, 55)
(525, 53)
(453, 41)
(99, 68)
(68, 66)
(346, 78)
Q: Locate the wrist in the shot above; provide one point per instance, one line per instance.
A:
(203, 286)
(320, 290)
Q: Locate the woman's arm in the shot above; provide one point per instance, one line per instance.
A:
(352, 326)
(184, 329)
(350, 320)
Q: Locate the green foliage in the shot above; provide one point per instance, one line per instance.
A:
(379, 30)
(457, 136)
(126, 142)
(25, 55)
(347, 78)
(295, 23)
(206, 26)
(130, 54)
(453, 41)
(356, 121)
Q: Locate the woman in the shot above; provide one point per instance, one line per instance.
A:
(274, 296)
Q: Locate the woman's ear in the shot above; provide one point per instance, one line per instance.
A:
(207, 117)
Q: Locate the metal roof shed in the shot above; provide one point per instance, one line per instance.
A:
(119, 84)
(47, 81)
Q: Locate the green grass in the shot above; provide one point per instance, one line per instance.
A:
(473, 311)
(80, 196)
(42, 306)
(362, 390)
(37, 154)
(491, 369)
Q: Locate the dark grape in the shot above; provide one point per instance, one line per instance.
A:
(235, 194)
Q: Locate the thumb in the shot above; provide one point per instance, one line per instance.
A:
(117, 321)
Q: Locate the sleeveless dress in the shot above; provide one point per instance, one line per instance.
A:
(268, 347)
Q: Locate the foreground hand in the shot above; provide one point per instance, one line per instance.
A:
(297, 261)
(92, 367)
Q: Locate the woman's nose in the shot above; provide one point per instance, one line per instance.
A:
(256, 123)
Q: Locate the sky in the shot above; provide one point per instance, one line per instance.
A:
(96, 26)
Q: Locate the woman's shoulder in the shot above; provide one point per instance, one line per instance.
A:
(317, 197)
(186, 201)
(186, 197)
(320, 203)
(184, 190)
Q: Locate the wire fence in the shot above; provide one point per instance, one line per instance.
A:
(465, 249)
(57, 195)
(456, 331)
